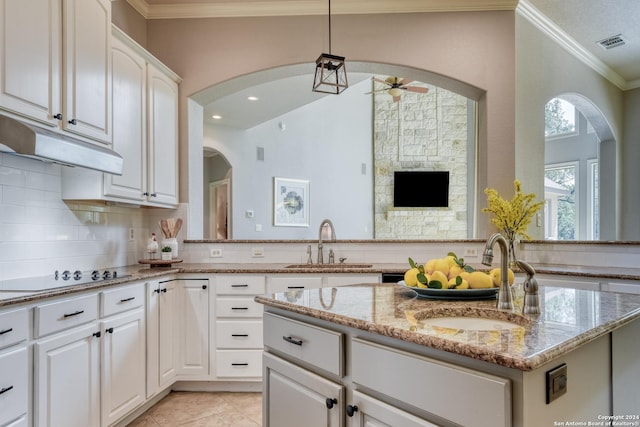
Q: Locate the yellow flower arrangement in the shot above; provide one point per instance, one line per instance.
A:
(512, 217)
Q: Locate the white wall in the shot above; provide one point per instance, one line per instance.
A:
(326, 142)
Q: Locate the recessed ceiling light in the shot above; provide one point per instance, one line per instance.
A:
(252, 98)
(216, 117)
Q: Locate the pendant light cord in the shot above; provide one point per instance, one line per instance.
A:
(329, 26)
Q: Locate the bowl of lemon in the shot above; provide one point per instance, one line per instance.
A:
(450, 278)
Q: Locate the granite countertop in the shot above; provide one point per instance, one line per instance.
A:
(138, 272)
(569, 319)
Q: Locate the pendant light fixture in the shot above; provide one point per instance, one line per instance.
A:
(331, 73)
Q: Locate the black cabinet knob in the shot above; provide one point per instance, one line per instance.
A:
(351, 409)
(73, 122)
(58, 116)
(330, 402)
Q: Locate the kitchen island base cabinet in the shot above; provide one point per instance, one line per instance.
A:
(376, 413)
(295, 396)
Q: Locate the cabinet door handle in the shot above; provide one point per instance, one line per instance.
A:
(6, 331)
(239, 308)
(73, 122)
(97, 334)
(240, 286)
(330, 402)
(239, 335)
(239, 364)
(58, 116)
(146, 193)
(351, 409)
(108, 330)
(6, 389)
(292, 340)
(127, 299)
(73, 314)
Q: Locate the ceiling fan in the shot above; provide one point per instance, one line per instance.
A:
(395, 85)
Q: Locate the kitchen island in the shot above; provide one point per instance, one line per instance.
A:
(389, 362)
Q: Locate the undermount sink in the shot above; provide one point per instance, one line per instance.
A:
(325, 266)
(470, 323)
(469, 319)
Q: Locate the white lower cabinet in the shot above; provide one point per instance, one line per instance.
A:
(161, 334)
(67, 378)
(294, 394)
(193, 324)
(14, 386)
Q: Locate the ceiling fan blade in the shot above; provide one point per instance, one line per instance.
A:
(384, 82)
(403, 82)
(416, 89)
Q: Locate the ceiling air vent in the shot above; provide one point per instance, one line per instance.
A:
(611, 42)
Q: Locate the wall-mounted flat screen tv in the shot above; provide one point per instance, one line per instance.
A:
(421, 189)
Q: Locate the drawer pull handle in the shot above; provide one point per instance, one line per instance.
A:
(239, 308)
(295, 287)
(351, 409)
(6, 331)
(239, 364)
(330, 402)
(292, 340)
(74, 314)
(109, 330)
(127, 299)
(240, 286)
(4, 390)
(239, 335)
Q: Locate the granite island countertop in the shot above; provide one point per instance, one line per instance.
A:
(569, 319)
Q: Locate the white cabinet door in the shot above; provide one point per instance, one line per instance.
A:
(163, 138)
(295, 394)
(129, 123)
(193, 324)
(66, 383)
(161, 330)
(123, 365)
(365, 411)
(87, 68)
(14, 384)
(30, 58)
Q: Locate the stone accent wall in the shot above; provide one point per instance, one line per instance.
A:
(420, 132)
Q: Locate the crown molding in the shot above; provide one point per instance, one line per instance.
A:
(234, 9)
(555, 33)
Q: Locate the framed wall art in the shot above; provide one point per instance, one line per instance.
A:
(290, 202)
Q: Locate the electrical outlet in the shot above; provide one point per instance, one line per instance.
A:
(132, 235)
(216, 253)
(257, 252)
(556, 382)
(470, 252)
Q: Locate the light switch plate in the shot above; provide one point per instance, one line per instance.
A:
(556, 382)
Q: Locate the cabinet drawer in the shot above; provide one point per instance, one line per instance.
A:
(316, 346)
(14, 377)
(238, 363)
(116, 301)
(239, 334)
(409, 378)
(292, 283)
(239, 285)
(14, 327)
(238, 307)
(60, 315)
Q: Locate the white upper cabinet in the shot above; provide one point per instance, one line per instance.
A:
(55, 63)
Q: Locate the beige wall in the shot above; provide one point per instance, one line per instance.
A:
(475, 48)
(129, 21)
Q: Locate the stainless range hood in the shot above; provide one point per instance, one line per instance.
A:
(17, 137)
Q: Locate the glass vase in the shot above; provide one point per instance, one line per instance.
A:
(513, 259)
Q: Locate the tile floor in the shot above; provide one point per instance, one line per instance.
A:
(195, 409)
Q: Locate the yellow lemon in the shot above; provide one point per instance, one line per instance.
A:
(411, 277)
(442, 265)
(496, 276)
(463, 283)
(479, 280)
(429, 265)
(424, 285)
(440, 277)
(455, 271)
(451, 260)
